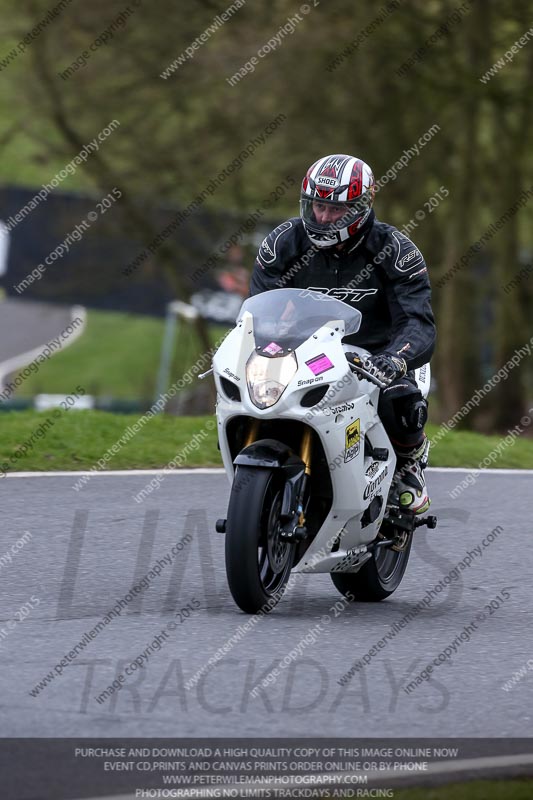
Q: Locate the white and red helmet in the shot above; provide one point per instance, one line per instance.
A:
(342, 181)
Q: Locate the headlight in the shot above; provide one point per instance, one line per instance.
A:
(267, 378)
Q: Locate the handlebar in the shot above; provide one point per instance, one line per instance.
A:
(367, 376)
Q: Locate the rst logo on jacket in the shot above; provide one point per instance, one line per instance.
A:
(267, 251)
(408, 256)
(347, 295)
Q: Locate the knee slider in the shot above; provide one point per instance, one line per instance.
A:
(411, 410)
(404, 410)
(418, 415)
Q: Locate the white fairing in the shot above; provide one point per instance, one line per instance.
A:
(423, 379)
(346, 415)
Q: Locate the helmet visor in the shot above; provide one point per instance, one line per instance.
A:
(326, 216)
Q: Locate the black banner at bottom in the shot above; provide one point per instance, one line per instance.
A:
(72, 769)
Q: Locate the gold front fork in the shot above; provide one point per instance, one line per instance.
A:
(252, 433)
(305, 452)
(305, 455)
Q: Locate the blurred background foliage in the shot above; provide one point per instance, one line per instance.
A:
(177, 133)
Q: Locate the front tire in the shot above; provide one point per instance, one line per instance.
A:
(378, 578)
(258, 562)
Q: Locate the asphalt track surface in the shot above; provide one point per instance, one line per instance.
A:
(89, 547)
(27, 325)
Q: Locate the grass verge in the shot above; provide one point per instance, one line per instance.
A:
(116, 356)
(78, 439)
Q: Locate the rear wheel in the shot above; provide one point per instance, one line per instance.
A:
(378, 578)
(258, 562)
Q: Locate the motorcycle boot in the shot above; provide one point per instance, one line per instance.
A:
(410, 481)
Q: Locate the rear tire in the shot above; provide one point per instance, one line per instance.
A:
(378, 578)
(258, 563)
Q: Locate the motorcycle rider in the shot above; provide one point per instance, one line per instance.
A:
(339, 247)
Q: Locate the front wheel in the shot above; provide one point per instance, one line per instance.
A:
(378, 578)
(258, 562)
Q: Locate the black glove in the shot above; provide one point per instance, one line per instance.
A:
(383, 366)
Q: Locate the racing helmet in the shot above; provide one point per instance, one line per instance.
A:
(336, 199)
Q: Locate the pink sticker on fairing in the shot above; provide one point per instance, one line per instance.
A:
(319, 364)
(272, 348)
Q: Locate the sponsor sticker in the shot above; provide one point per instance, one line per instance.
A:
(272, 348)
(341, 409)
(374, 485)
(322, 180)
(310, 380)
(319, 364)
(353, 440)
(373, 468)
(232, 374)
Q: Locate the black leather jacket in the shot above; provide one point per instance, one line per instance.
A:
(382, 273)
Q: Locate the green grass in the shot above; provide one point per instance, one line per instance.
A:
(466, 449)
(519, 789)
(77, 439)
(117, 355)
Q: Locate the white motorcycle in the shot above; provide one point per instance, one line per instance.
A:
(310, 464)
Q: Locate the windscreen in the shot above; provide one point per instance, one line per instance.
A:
(285, 318)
